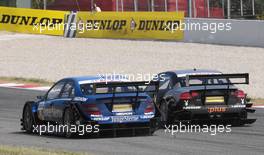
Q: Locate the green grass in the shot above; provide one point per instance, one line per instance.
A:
(12, 150)
(26, 80)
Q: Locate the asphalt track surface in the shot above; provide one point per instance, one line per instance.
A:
(242, 140)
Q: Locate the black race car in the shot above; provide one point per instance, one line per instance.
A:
(203, 96)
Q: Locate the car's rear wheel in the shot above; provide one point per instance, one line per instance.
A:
(240, 121)
(68, 120)
(237, 123)
(28, 120)
(164, 113)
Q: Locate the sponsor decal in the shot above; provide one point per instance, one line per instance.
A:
(238, 106)
(192, 107)
(107, 24)
(124, 114)
(82, 99)
(28, 20)
(120, 119)
(145, 25)
(100, 118)
(158, 25)
(41, 105)
(147, 116)
(216, 109)
(32, 21)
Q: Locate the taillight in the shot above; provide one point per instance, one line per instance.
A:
(150, 106)
(194, 94)
(91, 109)
(188, 95)
(239, 94)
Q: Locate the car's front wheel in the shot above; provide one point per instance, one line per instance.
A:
(28, 120)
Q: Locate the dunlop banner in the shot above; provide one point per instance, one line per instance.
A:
(134, 25)
(32, 21)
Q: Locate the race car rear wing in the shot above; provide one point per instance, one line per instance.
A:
(217, 80)
(227, 79)
(140, 87)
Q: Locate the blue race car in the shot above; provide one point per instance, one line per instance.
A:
(95, 102)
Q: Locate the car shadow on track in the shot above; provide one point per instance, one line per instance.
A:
(104, 135)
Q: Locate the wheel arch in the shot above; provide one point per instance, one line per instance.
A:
(31, 104)
(73, 106)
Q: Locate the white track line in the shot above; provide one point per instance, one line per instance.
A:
(258, 106)
(18, 86)
(11, 85)
(8, 37)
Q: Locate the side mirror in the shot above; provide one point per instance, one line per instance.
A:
(40, 97)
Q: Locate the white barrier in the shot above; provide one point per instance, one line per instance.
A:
(242, 33)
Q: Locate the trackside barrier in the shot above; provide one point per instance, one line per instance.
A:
(241, 33)
(32, 21)
(130, 25)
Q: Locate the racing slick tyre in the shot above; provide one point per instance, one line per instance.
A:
(28, 118)
(68, 119)
(240, 122)
(151, 131)
(237, 123)
(164, 111)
